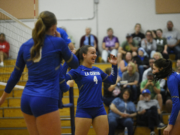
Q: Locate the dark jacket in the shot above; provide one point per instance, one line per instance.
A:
(139, 62)
(83, 38)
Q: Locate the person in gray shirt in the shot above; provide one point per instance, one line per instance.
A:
(132, 77)
(151, 115)
(149, 44)
(173, 39)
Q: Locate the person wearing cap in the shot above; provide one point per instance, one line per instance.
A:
(149, 44)
(151, 116)
(110, 45)
(142, 61)
(153, 86)
(130, 45)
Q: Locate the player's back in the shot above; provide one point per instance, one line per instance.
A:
(43, 75)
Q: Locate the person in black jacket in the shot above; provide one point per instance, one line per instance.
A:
(142, 61)
(110, 91)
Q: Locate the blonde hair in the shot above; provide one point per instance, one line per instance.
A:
(158, 53)
(133, 67)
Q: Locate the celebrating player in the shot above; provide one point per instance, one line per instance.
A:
(90, 109)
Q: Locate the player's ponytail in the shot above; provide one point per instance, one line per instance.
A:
(165, 68)
(45, 20)
(80, 51)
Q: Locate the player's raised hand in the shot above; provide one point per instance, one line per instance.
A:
(112, 60)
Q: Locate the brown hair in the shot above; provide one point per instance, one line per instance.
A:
(80, 51)
(45, 20)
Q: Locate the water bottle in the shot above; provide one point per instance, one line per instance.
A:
(125, 131)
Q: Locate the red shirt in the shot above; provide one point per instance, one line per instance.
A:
(4, 46)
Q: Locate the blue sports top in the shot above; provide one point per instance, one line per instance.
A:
(64, 35)
(43, 76)
(173, 83)
(120, 72)
(89, 81)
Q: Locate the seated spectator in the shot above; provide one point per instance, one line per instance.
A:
(132, 77)
(154, 88)
(121, 111)
(130, 45)
(138, 36)
(149, 44)
(168, 102)
(110, 45)
(178, 65)
(173, 39)
(110, 91)
(89, 39)
(161, 44)
(151, 116)
(142, 61)
(123, 64)
(4, 49)
(156, 56)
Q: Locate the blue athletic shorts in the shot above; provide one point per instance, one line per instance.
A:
(90, 112)
(37, 106)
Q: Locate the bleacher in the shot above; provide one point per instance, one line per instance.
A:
(11, 118)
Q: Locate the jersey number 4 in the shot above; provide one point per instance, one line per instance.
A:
(95, 80)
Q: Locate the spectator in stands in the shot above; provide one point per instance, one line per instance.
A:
(151, 110)
(168, 103)
(149, 44)
(123, 63)
(161, 43)
(173, 39)
(157, 55)
(130, 45)
(110, 45)
(121, 111)
(142, 61)
(110, 91)
(132, 77)
(153, 86)
(89, 39)
(178, 65)
(138, 36)
(4, 49)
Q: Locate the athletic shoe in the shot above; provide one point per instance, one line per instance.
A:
(161, 126)
(152, 133)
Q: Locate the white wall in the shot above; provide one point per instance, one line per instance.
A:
(121, 15)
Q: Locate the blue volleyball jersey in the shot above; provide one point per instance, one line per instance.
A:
(64, 35)
(43, 76)
(173, 83)
(89, 81)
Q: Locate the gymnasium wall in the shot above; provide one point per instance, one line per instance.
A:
(121, 15)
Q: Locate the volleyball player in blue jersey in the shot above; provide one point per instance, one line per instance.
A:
(161, 69)
(90, 109)
(42, 54)
(66, 38)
